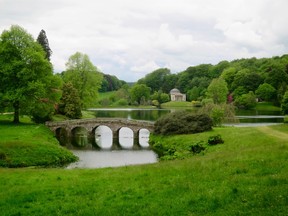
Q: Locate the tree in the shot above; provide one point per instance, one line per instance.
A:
(43, 41)
(169, 82)
(228, 75)
(249, 80)
(84, 76)
(160, 97)
(246, 101)
(42, 110)
(70, 103)
(155, 79)
(284, 105)
(265, 91)
(193, 94)
(139, 93)
(218, 91)
(110, 83)
(26, 76)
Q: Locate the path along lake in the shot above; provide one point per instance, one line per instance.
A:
(94, 158)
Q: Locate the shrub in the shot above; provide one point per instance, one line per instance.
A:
(164, 151)
(122, 102)
(286, 119)
(2, 155)
(182, 122)
(214, 140)
(219, 113)
(197, 147)
(246, 101)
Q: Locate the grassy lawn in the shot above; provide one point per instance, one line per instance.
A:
(266, 106)
(175, 104)
(27, 144)
(247, 175)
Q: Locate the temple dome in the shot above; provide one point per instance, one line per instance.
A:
(174, 91)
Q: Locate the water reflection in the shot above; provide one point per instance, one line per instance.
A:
(244, 116)
(98, 159)
(126, 138)
(144, 138)
(137, 114)
(79, 137)
(104, 137)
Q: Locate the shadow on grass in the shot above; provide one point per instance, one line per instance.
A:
(7, 119)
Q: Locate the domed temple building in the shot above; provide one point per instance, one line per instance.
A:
(176, 95)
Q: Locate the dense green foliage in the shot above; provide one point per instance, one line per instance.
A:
(84, 76)
(111, 83)
(266, 78)
(219, 113)
(218, 91)
(140, 94)
(156, 80)
(265, 92)
(26, 77)
(284, 106)
(182, 122)
(247, 175)
(29, 144)
(70, 103)
(246, 101)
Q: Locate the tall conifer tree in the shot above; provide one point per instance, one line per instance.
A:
(43, 41)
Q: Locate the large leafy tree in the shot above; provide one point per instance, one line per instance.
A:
(266, 92)
(155, 79)
(84, 76)
(26, 76)
(140, 93)
(43, 41)
(70, 103)
(218, 91)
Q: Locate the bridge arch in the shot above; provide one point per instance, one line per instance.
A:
(62, 135)
(115, 124)
(143, 137)
(79, 136)
(103, 136)
(126, 137)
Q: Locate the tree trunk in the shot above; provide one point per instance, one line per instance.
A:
(16, 106)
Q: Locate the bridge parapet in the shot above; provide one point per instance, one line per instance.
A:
(90, 124)
(115, 124)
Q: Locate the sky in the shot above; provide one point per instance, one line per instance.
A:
(131, 38)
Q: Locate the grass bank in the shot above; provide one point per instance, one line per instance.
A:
(267, 106)
(27, 144)
(247, 175)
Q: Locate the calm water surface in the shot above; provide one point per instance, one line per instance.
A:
(245, 117)
(98, 159)
(105, 158)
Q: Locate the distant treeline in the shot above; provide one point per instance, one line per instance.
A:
(267, 78)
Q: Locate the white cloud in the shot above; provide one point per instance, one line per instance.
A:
(131, 38)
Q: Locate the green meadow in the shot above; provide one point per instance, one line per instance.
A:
(246, 175)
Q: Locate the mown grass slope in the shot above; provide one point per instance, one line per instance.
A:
(247, 175)
(28, 144)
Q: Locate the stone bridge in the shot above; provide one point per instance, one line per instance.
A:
(66, 131)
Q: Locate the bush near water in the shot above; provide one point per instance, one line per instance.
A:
(182, 122)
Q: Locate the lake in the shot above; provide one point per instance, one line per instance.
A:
(245, 117)
(94, 158)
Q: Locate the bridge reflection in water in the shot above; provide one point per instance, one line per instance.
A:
(102, 133)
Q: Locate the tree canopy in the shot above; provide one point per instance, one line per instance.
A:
(26, 76)
(84, 76)
(218, 91)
